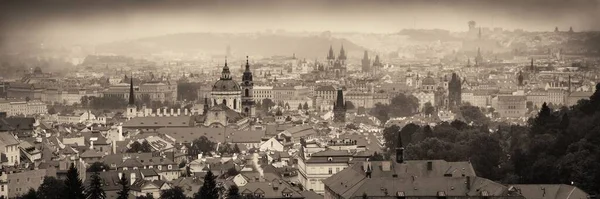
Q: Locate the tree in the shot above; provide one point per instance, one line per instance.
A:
(31, 194)
(51, 188)
(124, 192)
(364, 196)
(74, 187)
(97, 167)
(267, 104)
(236, 149)
(305, 106)
(52, 111)
(473, 114)
(234, 192)
(428, 109)
(147, 196)
(173, 193)
(209, 188)
(232, 171)
(299, 106)
(201, 145)
(380, 112)
(146, 148)
(95, 190)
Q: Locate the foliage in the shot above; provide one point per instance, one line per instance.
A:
(376, 157)
(31, 194)
(95, 190)
(105, 102)
(51, 188)
(187, 91)
(267, 104)
(234, 192)
(173, 193)
(147, 196)
(143, 147)
(124, 192)
(201, 145)
(305, 106)
(428, 109)
(302, 142)
(400, 106)
(232, 171)
(299, 106)
(236, 149)
(351, 126)
(209, 188)
(97, 167)
(473, 114)
(74, 187)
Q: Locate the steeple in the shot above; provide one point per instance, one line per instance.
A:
(399, 150)
(342, 55)
(225, 74)
(366, 63)
(339, 108)
(330, 55)
(206, 106)
(340, 98)
(377, 62)
(520, 78)
(131, 94)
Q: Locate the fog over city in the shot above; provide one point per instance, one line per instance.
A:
(300, 99)
(109, 20)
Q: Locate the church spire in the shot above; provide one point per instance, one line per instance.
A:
(225, 74)
(399, 150)
(342, 55)
(247, 76)
(330, 55)
(131, 94)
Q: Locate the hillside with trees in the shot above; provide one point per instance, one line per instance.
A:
(555, 147)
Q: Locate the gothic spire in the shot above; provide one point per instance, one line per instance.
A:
(330, 55)
(342, 55)
(225, 74)
(131, 94)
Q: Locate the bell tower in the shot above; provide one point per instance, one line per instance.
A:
(247, 90)
(131, 108)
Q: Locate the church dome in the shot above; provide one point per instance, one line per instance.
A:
(226, 85)
(428, 81)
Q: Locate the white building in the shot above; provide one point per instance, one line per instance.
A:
(26, 108)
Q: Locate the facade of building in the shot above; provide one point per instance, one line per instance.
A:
(322, 165)
(226, 91)
(248, 103)
(511, 106)
(20, 182)
(9, 147)
(22, 107)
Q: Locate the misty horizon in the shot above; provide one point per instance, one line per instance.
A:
(108, 21)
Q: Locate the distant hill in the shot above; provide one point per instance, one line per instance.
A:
(309, 47)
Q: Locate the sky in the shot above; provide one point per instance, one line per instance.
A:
(112, 20)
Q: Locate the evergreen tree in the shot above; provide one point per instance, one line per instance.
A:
(95, 190)
(173, 193)
(236, 149)
(74, 186)
(51, 188)
(234, 192)
(209, 188)
(305, 106)
(299, 106)
(124, 193)
(146, 148)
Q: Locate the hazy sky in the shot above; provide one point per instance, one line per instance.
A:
(106, 20)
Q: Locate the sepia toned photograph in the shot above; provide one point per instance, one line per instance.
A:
(299, 99)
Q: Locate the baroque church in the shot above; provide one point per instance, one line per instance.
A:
(230, 105)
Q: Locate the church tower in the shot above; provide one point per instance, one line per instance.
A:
(479, 58)
(330, 56)
(520, 79)
(342, 57)
(366, 63)
(247, 96)
(131, 109)
(399, 150)
(339, 108)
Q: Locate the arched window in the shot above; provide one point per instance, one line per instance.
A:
(246, 110)
(247, 94)
(234, 103)
(225, 102)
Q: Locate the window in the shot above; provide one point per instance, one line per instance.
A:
(330, 171)
(170, 167)
(159, 167)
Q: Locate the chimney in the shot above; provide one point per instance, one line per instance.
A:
(178, 112)
(172, 112)
(132, 178)
(120, 175)
(165, 111)
(468, 182)
(185, 111)
(429, 165)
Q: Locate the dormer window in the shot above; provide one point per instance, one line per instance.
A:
(329, 159)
